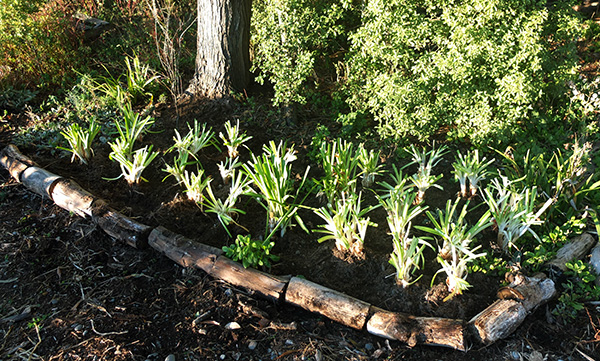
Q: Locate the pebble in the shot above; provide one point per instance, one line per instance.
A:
(369, 346)
(171, 357)
(252, 345)
(289, 342)
(515, 355)
(233, 326)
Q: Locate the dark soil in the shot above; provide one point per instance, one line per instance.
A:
(70, 292)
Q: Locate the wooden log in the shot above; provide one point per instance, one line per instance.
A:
(119, 226)
(413, 330)
(577, 248)
(69, 195)
(15, 162)
(501, 318)
(39, 180)
(183, 251)
(335, 305)
(267, 285)
(595, 262)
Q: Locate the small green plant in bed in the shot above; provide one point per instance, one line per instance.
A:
(195, 184)
(340, 164)
(233, 138)
(368, 162)
(456, 251)
(564, 177)
(132, 127)
(177, 169)
(424, 179)
(80, 140)
(132, 164)
(195, 140)
(407, 255)
(272, 174)
(472, 169)
(251, 252)
(226, 210)
(514, 212)
(578, 289)
(346, 223)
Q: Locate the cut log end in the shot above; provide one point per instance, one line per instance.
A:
(15, 162)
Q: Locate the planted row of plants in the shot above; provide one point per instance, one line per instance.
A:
(515, 203)
(521, 192)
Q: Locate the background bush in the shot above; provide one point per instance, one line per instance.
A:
(295, 43)
(476, 69)
(38, 43)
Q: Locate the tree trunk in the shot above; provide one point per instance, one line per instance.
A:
(223, 56)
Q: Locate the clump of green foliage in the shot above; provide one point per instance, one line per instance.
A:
(478, 68)
(285, 53)
(38, 43)
(251, 252)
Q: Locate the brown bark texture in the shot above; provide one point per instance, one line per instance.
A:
(433, 331)
(120, 227)
(272, 287)
(223, 43)
(15, 162)
(335, 305)
(576, 249)
(182, 250)
(501, 318)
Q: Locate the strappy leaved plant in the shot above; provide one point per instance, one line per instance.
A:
(227, 168)
(470, 167)
(234, 139)
(345, 222)
(180, 161)
(139, 78)
(514, 212)
(455, 252)
(340, 165)
(195, 140)
(399, 184)
(132, 127)
(225, 209)
(423, 179)
(408, 252)
(271, 173)
(368, 161)
(195, 184)
(80, 140)
(132, 165)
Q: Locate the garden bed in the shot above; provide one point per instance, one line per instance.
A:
(367, 278)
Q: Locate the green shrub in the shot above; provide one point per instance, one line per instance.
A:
(38, 43)
(292, 40)
(477, 69)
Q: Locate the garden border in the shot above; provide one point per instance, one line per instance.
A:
(499, 320)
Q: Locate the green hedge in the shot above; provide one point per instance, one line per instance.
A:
(476, 69)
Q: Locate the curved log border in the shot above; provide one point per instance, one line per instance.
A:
(497, 321)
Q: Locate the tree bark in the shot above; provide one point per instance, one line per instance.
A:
(223, 56)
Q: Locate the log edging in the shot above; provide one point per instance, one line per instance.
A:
(495, 322)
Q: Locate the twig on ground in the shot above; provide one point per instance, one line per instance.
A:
(104, 334)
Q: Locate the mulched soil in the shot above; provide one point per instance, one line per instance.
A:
(70, 292)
